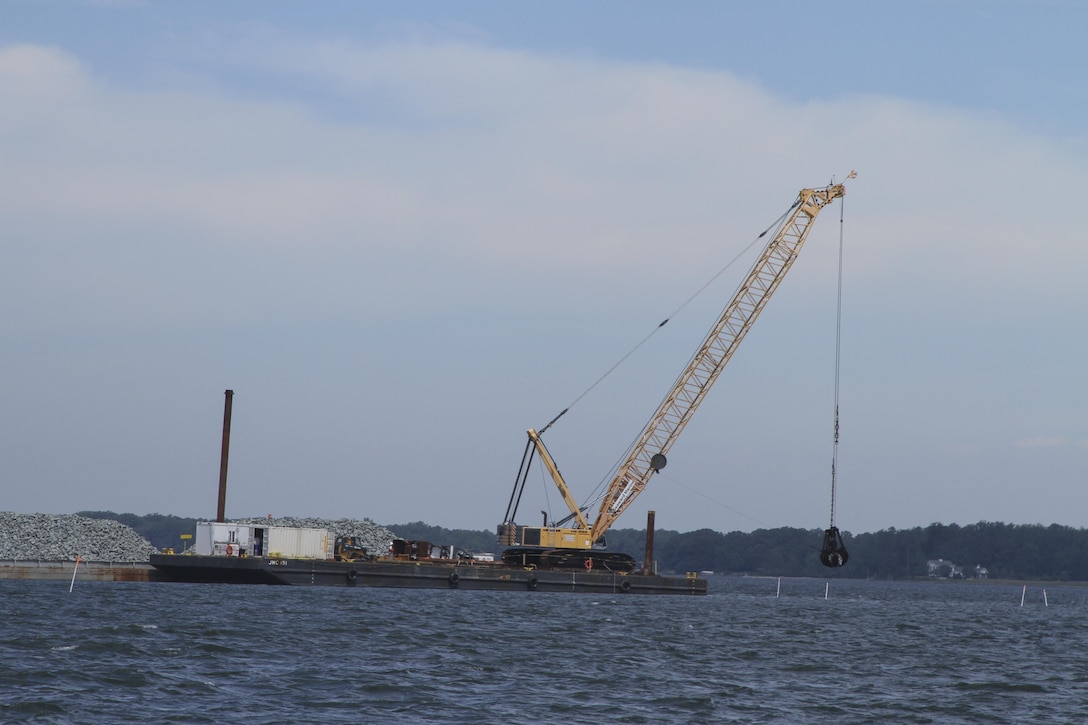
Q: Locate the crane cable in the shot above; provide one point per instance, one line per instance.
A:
(838, 349)
(661, 324)
(833, 553)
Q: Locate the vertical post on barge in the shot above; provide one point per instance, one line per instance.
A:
(221, 512)
(647, 561)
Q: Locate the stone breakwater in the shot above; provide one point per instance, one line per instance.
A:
(374, 537)
(63, 537)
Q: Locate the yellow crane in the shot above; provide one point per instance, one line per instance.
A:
(559, 545)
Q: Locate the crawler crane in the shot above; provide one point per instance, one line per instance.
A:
(556, 545)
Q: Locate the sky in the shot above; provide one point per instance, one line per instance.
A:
(405, 233)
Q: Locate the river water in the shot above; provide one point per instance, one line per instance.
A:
(749, 652)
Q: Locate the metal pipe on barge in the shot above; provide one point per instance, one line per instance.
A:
(221, 511)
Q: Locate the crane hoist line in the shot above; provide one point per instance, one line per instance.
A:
(558, 545)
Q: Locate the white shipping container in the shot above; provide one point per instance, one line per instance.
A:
(295, 543)
(229, 539)
(221, 539)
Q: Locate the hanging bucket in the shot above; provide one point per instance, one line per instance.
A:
(833, 553)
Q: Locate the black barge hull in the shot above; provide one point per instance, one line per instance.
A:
(480, 576)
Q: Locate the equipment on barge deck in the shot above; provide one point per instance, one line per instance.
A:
(347, 548)
(561, 546)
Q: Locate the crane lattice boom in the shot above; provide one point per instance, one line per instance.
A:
(648, 454)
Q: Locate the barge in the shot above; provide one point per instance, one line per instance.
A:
(235, 553)
(391, 573)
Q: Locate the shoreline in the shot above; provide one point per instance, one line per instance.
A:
(142, 571)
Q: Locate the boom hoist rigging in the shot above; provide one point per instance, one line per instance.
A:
(558, 545)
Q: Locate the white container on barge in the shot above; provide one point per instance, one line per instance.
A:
(215, 538)
(295, 543)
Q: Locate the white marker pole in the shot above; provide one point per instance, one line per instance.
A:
(74, 570)
(1045, 602)
(778, 593)
(827, 585)
(1023, 594)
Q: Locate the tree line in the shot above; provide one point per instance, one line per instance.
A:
(995, 550)
(1004, 551)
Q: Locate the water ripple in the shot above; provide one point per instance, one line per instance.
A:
(870, 653)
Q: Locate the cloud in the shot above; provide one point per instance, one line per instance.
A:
(541, 170)
(482, 171)
(1043, 442)
(30, 72)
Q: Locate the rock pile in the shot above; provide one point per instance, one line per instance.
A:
(373, 536)
(62, 537)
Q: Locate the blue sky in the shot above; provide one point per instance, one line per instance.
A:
(403, 233)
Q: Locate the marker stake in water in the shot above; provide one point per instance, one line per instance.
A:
(74, 570)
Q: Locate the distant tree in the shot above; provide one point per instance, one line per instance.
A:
(1007, 551)
(163, 532)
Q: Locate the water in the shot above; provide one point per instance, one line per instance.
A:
(926, 652)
